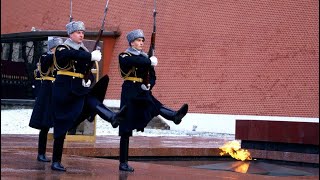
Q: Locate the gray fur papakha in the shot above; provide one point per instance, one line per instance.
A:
(132, 35)
(75, 26)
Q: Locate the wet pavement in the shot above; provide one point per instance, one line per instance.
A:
(108, 146)
(18, 160)
(260, 167)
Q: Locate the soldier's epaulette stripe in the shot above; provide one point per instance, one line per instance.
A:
(62, 47)
(127, 53)
(124, 54)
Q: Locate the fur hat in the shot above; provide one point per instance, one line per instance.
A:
(54, 42)
(75, 26)
(133, 35)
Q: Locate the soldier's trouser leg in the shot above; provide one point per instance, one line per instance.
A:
(124, 153)
(110, 116)
(105, 113)
(42, 145)
(57, 154)
(175, 116)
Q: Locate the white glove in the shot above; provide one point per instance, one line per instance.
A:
(96, 55)
(154, 61)
(144, 87)
(86, 84)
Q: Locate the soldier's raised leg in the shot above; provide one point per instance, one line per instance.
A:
(107, 114)
(175, 116)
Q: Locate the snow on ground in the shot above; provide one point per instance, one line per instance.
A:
(16, 121)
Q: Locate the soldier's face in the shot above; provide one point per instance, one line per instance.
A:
(77, 36)
(138, 43)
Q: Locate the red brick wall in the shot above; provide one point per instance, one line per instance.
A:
(224, 57)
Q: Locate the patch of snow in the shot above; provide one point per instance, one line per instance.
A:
(16, 121)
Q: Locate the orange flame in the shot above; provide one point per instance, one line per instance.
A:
(241, 167)
(234, 150)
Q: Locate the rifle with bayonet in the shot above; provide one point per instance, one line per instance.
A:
(151, 73)
(95, 47)
(71, 18)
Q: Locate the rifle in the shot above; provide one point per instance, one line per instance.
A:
(153, 36)
(71, 18)
(151, 51)
(95, 47)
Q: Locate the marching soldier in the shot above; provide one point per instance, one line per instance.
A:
(141, 105)
(73, 99)
(41, 114)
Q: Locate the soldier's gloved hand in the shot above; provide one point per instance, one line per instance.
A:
(154, 61)
(96, 55)
(86, 84)
(144, 87)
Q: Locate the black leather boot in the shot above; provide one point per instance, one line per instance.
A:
(124, 153)
(175, 116)
(57, 154)
(125, 167)
(42, 145)
(110, 116)
(57, 166)
(42, 158)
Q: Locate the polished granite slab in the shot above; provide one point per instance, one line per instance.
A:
(278, 131)
(18, 163)
(257, 167)
(142, 146)
(18, 154)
